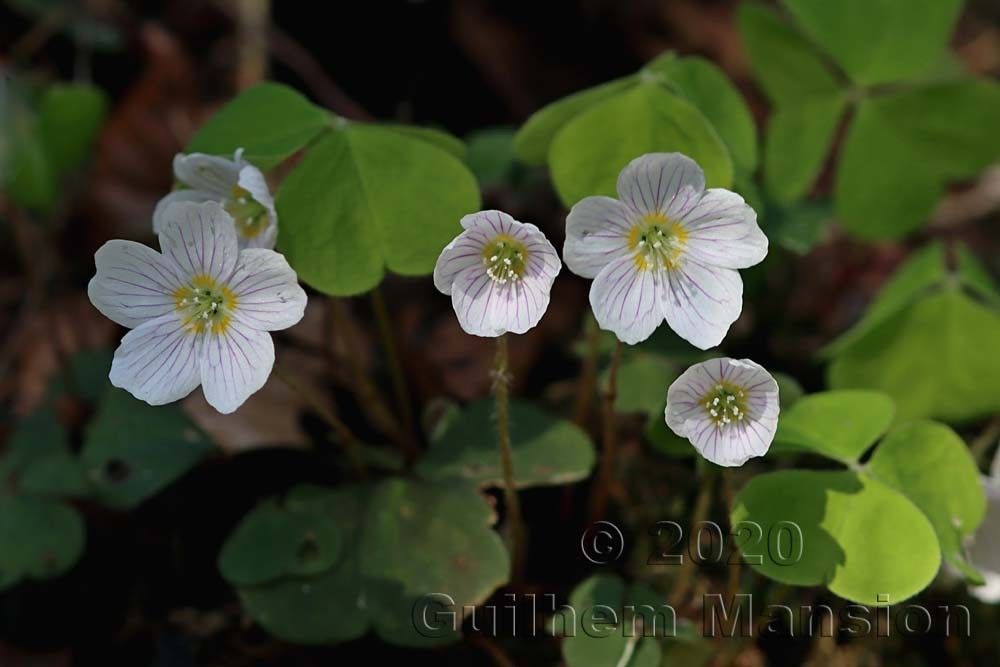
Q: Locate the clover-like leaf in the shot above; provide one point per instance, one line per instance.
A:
(859, 537)
(837, 424)
(367, 198)
(133, 450)
(589, 152)
(546, 450)
(269, 121)
(403, 541)
(273, 541)
(929, 464)
(913, 143)
(39, 538)
(879, 42)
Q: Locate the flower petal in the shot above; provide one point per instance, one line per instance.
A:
(624, 300)
(464, 251)
(133, 284)
(235, 364)
(491, 222)
(209, 173)
(267, 291)
(157, 362)
(597, 230)
(200, 238)
(701, 302)
(487, 308)
(722, 231)
(196, 196)
(730, 444)
(252, 180)
(665, 183)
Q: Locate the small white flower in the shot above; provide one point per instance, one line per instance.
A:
(667, 248)
(984, 552)
(498, 272)
(236, 184)
(200, 312)
(727, 408)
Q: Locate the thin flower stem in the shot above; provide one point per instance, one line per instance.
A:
(685, 577)
(735, 563)
(588, 373)
(399, 387)
(501, 391)
(343, 434)
(606, 469)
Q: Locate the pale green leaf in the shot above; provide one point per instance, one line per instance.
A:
(366, 198)
(837, 424)
(590, 151)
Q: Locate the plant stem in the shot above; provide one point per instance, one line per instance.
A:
(682, 585)
(398, 376)
(981, 446)
(343, 434)
(501, 390)
(606, 469)
(588, 373)
(733, 583)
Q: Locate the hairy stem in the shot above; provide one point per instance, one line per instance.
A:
(501, 391)
(606, 469)
(685, 577)
(588, 373)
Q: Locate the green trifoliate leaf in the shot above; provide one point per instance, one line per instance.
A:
(938, 358)
(904, 148)
(709, 89)
(367, 198)
(590, 151)
(929, 464)
(39, 538)
(862, 539)
(273, 541)
(133, 450)
(883, 41)
(439, 138)
(402, 541)
(546, 450)
(534, 138)
(269, 121)
(837, 424)
(809, 102)
(922, 272)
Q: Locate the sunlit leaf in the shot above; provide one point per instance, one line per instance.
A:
(367, 198)
(837, 424)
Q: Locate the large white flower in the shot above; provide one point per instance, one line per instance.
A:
(200, 312)
(667, 248)
(236, 184)
(727, 408)
(498, 272)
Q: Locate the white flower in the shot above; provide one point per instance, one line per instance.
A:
(984, 552)
(498, 272)
(236, 184)
(667, 248)
(200, 312)
(727, 408)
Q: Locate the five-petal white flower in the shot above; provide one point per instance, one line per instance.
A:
(727, 408)
(200, 312)
(666, 249)
(236, 184)
(498, 272)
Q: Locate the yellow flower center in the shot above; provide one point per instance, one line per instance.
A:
(205, 305)
(657, 242)
(504, 258)
(725, 403)
(249, 215)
